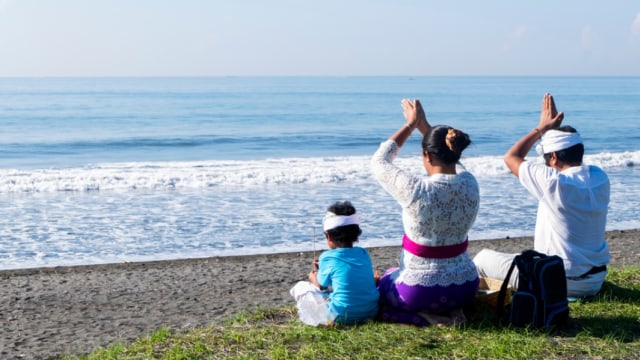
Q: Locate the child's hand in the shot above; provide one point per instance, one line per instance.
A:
(313, 277)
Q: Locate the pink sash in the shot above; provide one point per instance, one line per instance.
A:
(434, 252)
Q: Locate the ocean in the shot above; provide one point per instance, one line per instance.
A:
(103, 170)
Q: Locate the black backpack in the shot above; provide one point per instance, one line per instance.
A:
(540, 301)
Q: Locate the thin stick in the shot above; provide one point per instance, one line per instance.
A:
(314, 244)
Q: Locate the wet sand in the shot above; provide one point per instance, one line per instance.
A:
(46, 312)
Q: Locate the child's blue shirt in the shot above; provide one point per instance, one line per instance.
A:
(349, 273)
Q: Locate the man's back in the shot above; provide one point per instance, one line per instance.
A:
(572, 213)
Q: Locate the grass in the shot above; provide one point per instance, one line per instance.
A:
(606, 328)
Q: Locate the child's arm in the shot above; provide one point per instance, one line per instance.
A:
(313, 278)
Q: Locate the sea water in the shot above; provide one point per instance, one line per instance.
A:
(100, 170)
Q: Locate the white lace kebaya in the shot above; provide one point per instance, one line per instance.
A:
(437, 210)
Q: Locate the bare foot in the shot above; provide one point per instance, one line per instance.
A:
(455, 317)
(458, 317)
(437, 320)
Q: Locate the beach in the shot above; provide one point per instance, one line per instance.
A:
(51, 311)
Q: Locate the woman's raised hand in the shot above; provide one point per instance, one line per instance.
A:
(414, 115)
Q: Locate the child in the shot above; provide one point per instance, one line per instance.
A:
(341, 289)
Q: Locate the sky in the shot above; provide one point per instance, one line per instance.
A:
(40, 38)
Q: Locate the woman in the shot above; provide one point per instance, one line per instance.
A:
(436, 276)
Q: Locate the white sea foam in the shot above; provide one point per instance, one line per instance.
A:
(204, 174)
(153, 211)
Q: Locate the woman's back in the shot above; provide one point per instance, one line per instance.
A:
(443, 209)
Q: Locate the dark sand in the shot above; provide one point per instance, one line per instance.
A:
(47, 312)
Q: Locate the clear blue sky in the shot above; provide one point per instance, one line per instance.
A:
(312, 37)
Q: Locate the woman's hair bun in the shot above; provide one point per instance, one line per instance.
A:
(456, 141)
(445, 142)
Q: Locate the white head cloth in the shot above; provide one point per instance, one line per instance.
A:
(332, 221)
(556, 140)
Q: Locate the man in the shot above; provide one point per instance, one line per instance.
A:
(572, 209)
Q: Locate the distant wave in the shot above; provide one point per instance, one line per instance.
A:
(190, 141)
(269, 172)
(81, 152)
(111, 144)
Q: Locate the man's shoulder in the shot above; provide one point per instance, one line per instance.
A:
(596, 170)
(597, 175)
(593, 172)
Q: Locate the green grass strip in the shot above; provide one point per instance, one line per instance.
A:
(606, 328)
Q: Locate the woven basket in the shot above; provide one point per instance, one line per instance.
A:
(489, 290)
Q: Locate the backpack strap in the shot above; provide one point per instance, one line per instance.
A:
(503, 289)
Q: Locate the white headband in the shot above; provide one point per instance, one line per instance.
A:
(556, 140)
(332, 221)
